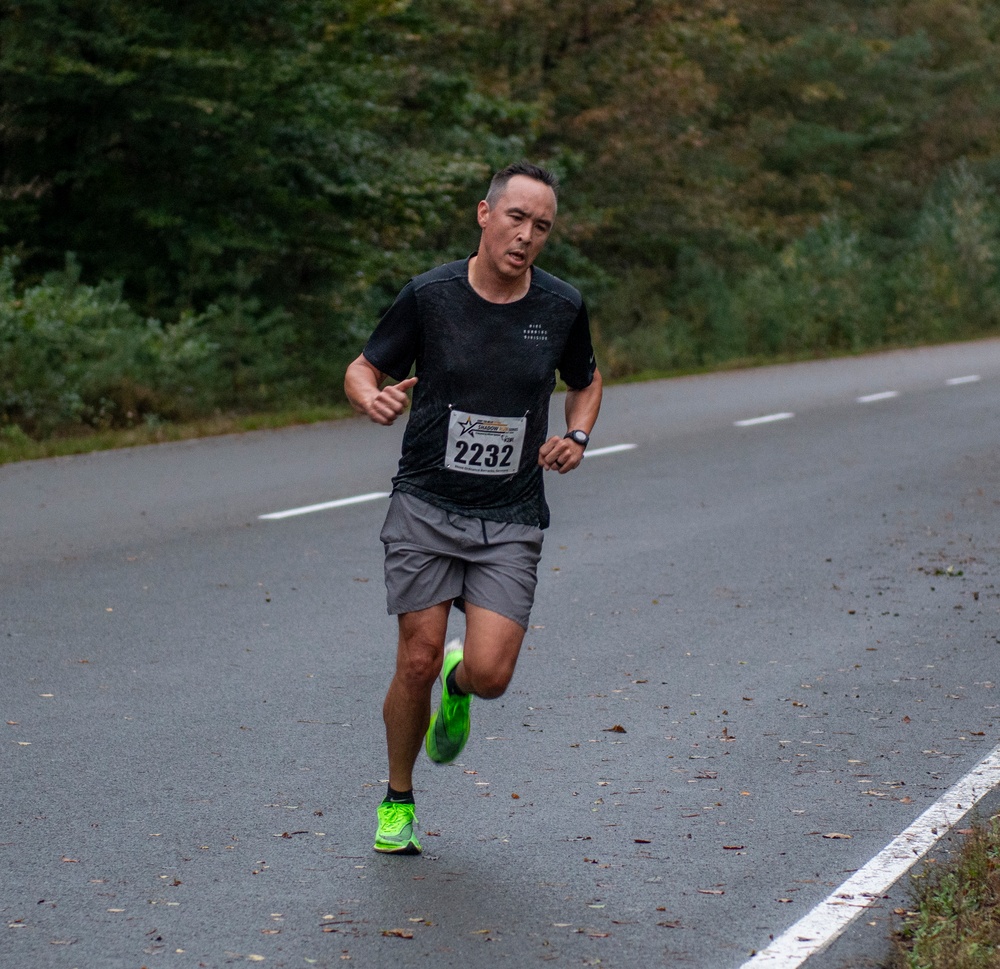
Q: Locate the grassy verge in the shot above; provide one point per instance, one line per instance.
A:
(955, 921)
(16, 446)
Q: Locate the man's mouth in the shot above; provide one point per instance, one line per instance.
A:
(517, 256)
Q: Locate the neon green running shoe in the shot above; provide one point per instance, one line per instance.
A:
(397, 829)
(449, 728)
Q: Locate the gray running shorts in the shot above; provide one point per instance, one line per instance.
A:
(432, 555)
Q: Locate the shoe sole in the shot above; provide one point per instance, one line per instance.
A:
(408, 849)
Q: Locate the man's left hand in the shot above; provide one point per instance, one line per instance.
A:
(560, 454)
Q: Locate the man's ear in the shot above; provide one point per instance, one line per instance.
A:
(483, 214)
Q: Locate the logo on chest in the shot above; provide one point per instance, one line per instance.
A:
(536, 333)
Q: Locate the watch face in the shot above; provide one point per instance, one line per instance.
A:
(579, 436)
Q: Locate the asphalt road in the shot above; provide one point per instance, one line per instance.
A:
(746, 638)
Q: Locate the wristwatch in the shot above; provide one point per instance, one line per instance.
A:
(580, 437)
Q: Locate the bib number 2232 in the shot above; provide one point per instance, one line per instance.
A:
(484, 445)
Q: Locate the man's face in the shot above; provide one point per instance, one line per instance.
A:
(516, 229)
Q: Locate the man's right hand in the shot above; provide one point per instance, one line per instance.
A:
(390, 402)
(363, 386)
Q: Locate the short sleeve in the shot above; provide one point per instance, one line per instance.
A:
(393, 346)
(577, 364)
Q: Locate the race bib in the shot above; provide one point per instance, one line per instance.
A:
(484, 445)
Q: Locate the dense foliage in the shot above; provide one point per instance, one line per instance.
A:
(742, 180)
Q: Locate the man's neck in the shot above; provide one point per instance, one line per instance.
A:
(495, 288)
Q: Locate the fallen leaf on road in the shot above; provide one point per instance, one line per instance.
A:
(711, 891)
(834, 836)
(617, 728)
(733, 847)
(398, 933)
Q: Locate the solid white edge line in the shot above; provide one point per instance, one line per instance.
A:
(766, 419)
(613, 449)
(872, 398)
(340, 503)
(827, 921)
(970, 379)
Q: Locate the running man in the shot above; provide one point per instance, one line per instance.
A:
(487, 335)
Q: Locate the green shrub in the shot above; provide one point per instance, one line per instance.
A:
(947, 286)
(822, 294)
(73, 354)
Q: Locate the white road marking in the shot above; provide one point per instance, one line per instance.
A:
(872, 398)
(375, 495)
(308, 509)
(613, 449)
(823, 924)
(766, 419)
(970, 379)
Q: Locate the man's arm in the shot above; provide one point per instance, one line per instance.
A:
(363, 386)
(582, 407)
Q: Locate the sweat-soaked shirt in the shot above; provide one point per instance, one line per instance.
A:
(486, 372)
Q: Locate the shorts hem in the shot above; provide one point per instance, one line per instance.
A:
(500, 612)
(400, 610)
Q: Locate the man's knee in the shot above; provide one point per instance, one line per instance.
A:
(491, 681)
(421, 650)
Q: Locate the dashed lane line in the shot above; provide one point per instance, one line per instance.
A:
(376, 495)
(865, 399)
(766, 419)
(613, 449)
(598, 452)
(323, 506)
(820, 927)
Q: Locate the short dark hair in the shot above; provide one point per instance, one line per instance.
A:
(499, 182)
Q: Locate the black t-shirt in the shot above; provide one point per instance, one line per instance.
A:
(488, 360)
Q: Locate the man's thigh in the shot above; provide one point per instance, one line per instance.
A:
(492, 645)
